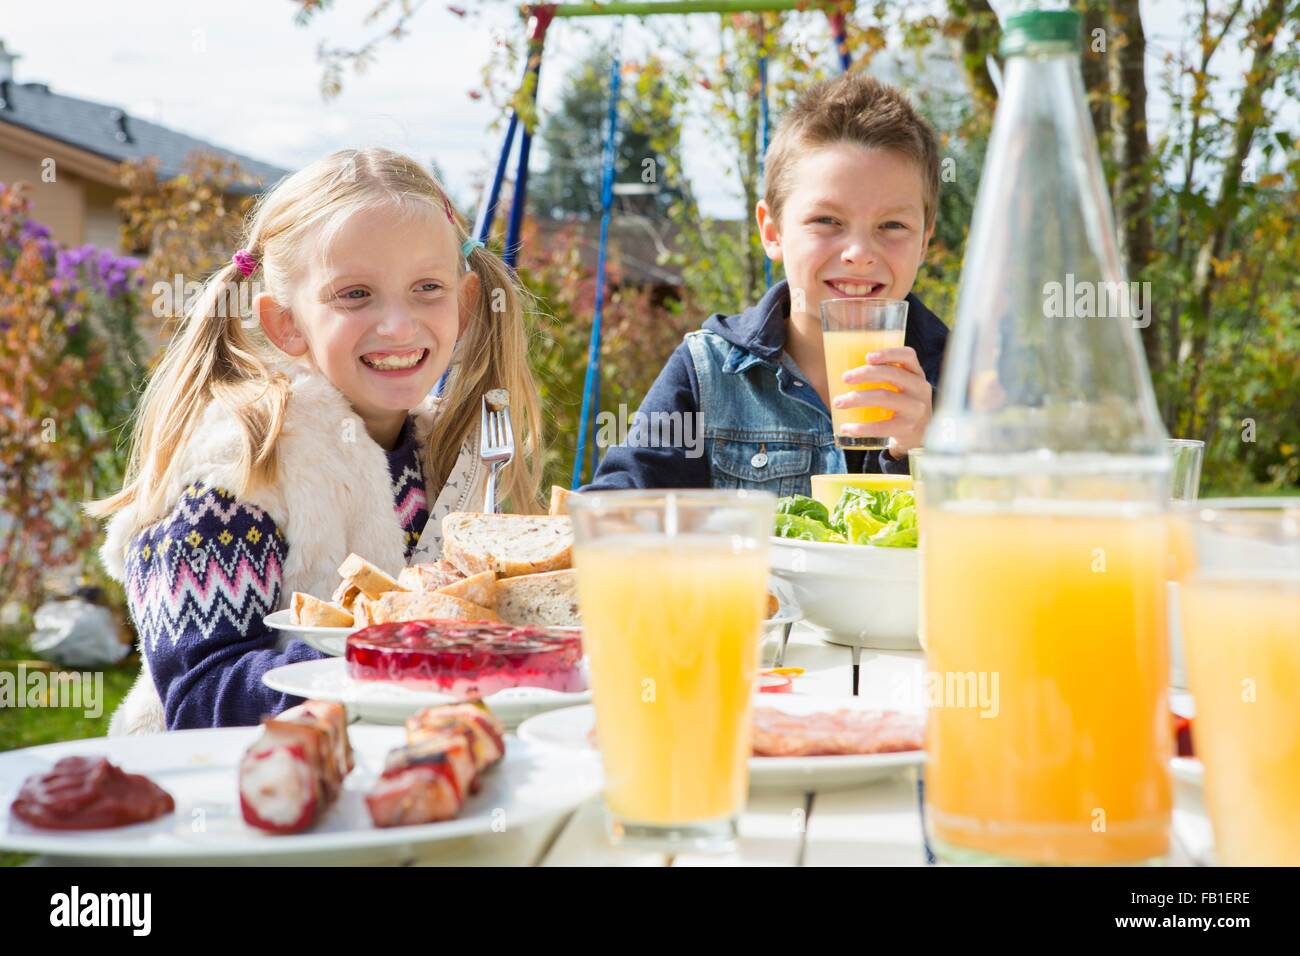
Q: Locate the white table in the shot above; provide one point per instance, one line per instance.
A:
(878, 824)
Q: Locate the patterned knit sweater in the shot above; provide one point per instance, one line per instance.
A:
(200, 581)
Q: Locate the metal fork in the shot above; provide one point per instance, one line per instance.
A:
(496, 446)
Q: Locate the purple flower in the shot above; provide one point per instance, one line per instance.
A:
(31, 229)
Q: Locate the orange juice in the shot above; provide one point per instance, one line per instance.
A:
(1068, 610)
(1243, 658)
(846, 350)
(671, 630)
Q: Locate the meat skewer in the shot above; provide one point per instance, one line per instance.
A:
(293, 774)
(448, 748)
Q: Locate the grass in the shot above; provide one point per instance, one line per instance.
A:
(30, 726)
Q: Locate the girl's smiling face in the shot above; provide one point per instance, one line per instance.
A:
(853, 224)
(378, 317)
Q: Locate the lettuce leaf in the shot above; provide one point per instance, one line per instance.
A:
(805, 507)
(805, 529)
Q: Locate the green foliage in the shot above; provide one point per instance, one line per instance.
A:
(638, 335)
(573, 140)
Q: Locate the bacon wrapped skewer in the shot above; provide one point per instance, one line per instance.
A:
(427, 781)
(293, 774)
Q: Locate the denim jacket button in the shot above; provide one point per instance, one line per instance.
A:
(759, 460)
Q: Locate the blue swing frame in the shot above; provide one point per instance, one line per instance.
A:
(540, 17)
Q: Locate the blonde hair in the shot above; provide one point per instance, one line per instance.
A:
(852, 108)
(214, 356)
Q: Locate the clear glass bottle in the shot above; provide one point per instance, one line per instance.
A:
(1043, 531)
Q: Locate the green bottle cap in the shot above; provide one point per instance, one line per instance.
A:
(1042, 31)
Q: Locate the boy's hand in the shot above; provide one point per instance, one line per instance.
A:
(911, 404)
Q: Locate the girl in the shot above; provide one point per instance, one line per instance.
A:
(260, 461)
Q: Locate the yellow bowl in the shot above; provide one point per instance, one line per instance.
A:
(828, 488)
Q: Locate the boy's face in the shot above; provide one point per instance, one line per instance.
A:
(852, 225)
(379, 319)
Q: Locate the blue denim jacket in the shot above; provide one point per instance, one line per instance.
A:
(731, 409)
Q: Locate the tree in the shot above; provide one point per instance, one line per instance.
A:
(573, 139)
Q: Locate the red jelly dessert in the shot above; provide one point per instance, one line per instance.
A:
(468, 659)
(89, 793)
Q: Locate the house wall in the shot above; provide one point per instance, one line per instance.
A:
(60, 205)
(102, 219)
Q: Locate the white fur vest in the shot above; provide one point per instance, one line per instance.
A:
(333, 496)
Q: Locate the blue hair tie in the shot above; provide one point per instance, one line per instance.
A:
(469, 245)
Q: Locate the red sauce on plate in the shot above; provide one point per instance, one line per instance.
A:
(89, 793)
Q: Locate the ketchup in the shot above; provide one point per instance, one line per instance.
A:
(89, 793)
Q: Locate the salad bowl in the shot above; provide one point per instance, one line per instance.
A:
(865, 594)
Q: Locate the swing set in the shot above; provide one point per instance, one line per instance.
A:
(540, 16)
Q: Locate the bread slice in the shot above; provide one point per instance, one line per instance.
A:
(345, 594)
(510, 545)
(368, 578)
(361, 610)
(425, 606)
(549, 599)
(428, 577)
(480, 589)
(309, 611)
(560, 500)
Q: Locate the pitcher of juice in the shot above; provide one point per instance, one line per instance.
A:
(1044, 541)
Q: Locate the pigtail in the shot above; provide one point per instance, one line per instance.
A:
(211, 356)
(493, 353)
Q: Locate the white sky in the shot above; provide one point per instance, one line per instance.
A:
(241, 74)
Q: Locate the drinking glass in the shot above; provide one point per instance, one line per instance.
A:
(851, 328)
(672, 587)
(1241, 621)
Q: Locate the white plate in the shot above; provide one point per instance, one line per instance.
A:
(387, 703)
(569, 730)
(328, 640)
(199, 769)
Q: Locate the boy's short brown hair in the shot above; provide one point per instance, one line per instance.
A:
(852, 108)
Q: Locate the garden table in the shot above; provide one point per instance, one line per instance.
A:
(876, 824)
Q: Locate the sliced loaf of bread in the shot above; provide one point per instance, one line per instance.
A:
(510, 545)
(546, 600)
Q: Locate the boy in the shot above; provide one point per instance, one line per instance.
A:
(849, 207)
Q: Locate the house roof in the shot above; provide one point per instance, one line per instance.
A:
(111, 132)
(639, 243)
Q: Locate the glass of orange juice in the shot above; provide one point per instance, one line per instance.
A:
(672, 586)
(1043, 580)
(1241, 624)
(1186, 455)
(852, 328)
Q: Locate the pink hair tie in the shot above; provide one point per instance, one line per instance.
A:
(245, 261)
